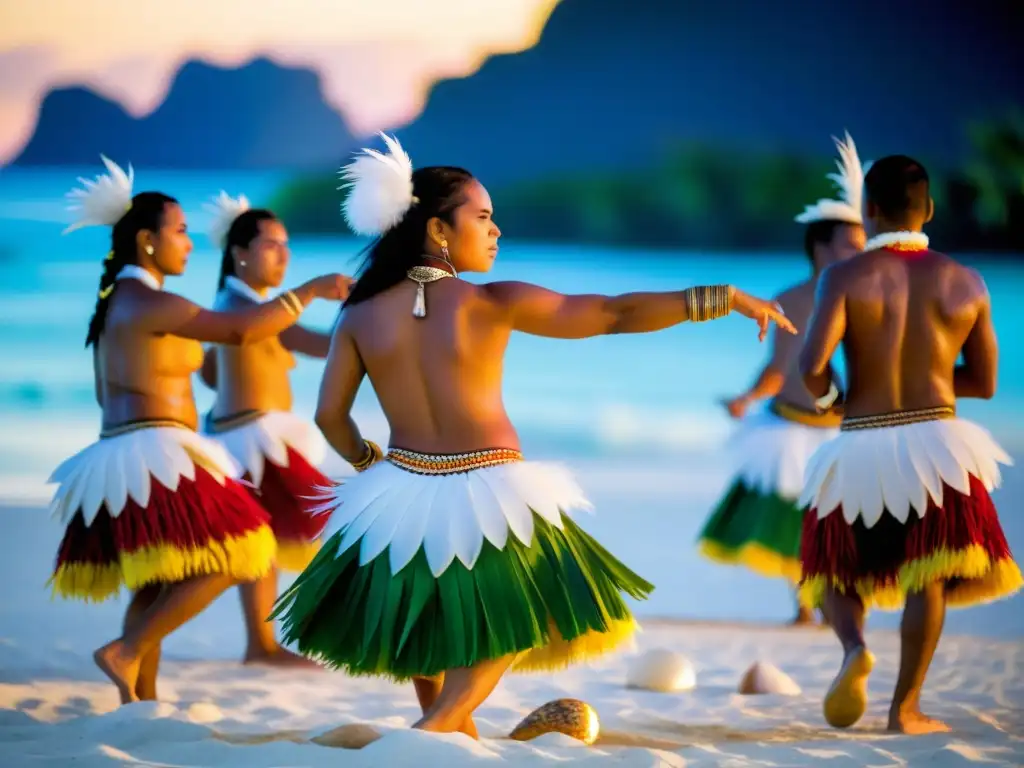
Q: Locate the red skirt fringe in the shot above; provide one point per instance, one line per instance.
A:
(960, 543)
(284, 493)
(203, 527)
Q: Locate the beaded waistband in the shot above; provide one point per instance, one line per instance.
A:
(451, 463)
(806, 417)
(232, 421)
(135, 426)
(899, 418)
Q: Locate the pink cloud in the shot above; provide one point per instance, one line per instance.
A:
(375, 83)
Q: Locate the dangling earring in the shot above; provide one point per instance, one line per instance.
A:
(149, 250)
(444, 251)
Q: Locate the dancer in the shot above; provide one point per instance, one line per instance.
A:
(152, 505)
(900, 510)
(454, 559)
(757, 523)
(252, 415)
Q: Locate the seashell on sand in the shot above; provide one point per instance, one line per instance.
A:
(661, 670)
(763, 677)
(571, 717)
(349, 736)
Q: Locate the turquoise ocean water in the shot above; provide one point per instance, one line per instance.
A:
(621, 400)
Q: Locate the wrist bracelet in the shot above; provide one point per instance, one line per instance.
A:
(706, 302)
(373, 455)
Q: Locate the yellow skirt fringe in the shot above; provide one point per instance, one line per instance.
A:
(294, 556)
(246, 558)
(560, 653)
(754, 556)
(983, 581)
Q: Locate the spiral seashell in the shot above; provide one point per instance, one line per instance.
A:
(571, 717)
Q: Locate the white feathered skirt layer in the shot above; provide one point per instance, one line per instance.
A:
(154, 504)
(280, 454)
(894, 509)
(424, 572)
(757, 523)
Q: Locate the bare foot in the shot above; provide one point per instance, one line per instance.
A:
(915, 724)
(847, 699)
(121, 667)
(280, 657)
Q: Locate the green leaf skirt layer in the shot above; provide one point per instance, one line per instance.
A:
(554, 602)
(759, 531)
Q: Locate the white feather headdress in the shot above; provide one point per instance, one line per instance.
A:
(850, 181)
(224, 209)
(380, 189)
(104, 201)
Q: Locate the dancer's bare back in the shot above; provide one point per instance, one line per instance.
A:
(150, 346)
(798, 304)
(141, 374)
(903, 321)
(439, 378)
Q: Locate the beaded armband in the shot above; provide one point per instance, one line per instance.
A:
(707, 302)
(373, 455)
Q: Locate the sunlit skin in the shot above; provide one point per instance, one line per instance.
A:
(438, 378)
(144, 362)
(903, 320)
(780, 377)
(255, 377)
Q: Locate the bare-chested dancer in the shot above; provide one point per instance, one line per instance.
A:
(252, 416)
(152, 505)
(453, 559)
(758, 522)
(900, 510)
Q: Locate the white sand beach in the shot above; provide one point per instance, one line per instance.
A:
(56, 709)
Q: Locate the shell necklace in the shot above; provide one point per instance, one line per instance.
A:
(421, 276)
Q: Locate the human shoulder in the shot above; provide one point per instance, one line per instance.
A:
(968, 281)
(797, 294)
(834, 279)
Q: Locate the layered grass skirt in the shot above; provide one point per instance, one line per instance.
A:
(279, 453)
(896, 508)
(758, 522)
(151, 503)
(438, 562)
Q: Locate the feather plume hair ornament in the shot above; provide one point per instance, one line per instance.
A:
(379, 189)
(104, 201)
(224, 209)
(849, 180)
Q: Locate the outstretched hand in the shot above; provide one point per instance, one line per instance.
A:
(333, 287)
(737, 406)
(764, 312)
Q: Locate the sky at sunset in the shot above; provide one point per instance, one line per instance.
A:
(376, 58)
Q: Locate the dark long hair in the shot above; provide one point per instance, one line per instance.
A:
(146, 214)
(241, 233)
(440, 190)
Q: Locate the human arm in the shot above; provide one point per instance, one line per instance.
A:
(826, 330)
(976, 377)
(542, 312)
(768, 383)
(208, 371)
(171, 314)
(306, 342)
(343, 374)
